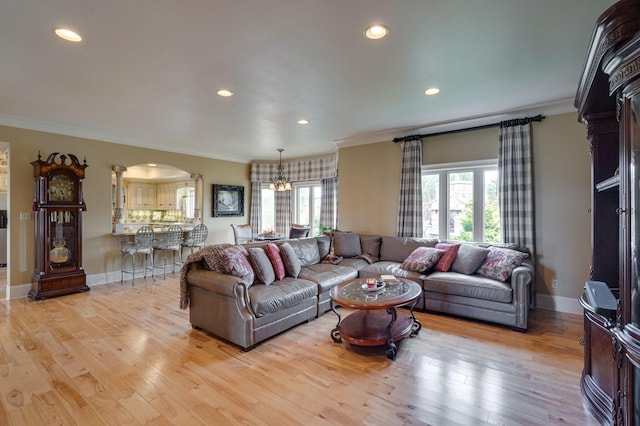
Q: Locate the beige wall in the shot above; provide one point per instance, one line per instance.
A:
(101, 253)
(369, 177)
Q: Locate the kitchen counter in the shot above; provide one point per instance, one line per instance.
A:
(132, 228)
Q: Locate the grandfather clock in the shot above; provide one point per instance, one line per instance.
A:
(58, 206)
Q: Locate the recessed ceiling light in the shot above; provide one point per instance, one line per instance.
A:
(376, 32)
(151, 164)
(224, 93)
(303, 121)
(432, 91)
(67, 34)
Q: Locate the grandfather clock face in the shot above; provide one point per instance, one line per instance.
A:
(62, 188)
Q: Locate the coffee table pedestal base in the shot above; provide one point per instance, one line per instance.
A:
(371, 328)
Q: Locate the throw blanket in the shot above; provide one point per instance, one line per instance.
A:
(208, 258)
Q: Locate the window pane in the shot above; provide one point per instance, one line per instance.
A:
(491, 207)
(430, 205)
(315, 226)
(460, 206)
(268, 209)
(302, 203)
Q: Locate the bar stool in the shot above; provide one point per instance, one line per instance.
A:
(172, 241)
(196, 238)
(142, 244)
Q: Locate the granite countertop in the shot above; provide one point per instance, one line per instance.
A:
(132, 228)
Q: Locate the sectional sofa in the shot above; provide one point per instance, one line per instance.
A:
(247, 293)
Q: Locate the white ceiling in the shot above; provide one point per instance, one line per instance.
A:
(147, 71)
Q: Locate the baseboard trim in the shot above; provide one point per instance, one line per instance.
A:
(559, 304)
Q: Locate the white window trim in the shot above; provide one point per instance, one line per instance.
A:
(477, 167)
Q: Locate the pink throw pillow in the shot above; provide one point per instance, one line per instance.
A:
(273, 253)
(445, 262)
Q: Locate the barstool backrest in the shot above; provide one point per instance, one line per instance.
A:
(174, 236)
(198, 235)
(144, 237)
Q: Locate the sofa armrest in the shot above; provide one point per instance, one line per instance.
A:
(521, 282)
(223, 284)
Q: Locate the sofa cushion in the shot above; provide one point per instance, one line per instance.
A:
(449, 256)
(397, 249)
(291, 262)
(327, 276)
(236, 263)
(390, 268)
(500, 263)
(421, 259)
(273, 253)
(261, 265)
(267, 299)
(469, 259)
(370, 246)
(346, 244)
(324, 245)
(307, 250)
(472, 286)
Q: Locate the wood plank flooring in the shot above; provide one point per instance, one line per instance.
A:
(126, 355)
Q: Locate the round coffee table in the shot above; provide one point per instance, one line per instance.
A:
(376, 321)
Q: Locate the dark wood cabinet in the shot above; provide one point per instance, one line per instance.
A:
(608, 102)
(58, 203)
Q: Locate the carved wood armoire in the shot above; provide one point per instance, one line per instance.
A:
(608, 102)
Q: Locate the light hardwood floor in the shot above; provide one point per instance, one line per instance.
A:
(126, 355)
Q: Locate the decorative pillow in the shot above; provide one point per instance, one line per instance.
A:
(445, 262)
(346, 244)
(500, 263)
(469, 259)
(261, 265)
(324, 245)
(370, 245)
(291, 262)
(421, 259)
(236, 263)
(273, 253)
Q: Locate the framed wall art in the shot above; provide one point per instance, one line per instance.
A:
(228, 200)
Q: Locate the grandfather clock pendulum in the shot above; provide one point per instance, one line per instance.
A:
(58, 204)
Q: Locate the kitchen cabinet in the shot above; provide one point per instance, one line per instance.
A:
(141, 195)
(167, 196)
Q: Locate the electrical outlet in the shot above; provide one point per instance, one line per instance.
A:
(25, 215)
(554, 283)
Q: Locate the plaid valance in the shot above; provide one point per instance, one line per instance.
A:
(298, 170)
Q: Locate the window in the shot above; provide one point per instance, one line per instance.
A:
(460, 202)
(268, 213)
(306, 201)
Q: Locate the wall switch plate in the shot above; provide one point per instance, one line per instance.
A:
(25, 215)
(554, 283)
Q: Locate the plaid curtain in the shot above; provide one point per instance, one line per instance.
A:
(329, 202)
(283, 211)
(410, 199)
(256, 208)
(515, 187)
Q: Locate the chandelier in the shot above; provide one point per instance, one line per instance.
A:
(280, 182)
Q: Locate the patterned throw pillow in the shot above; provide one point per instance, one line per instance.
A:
(273, 253)
(445, 262)
(469, 259)
(421, 259)
(261, 265)
(291, 261)
(236, 263)
(500, 263)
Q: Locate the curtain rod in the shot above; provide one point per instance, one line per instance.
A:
(506, 123)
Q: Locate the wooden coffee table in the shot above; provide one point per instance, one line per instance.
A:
(376, 321)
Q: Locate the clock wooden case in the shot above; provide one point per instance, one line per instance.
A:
(58, 204)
